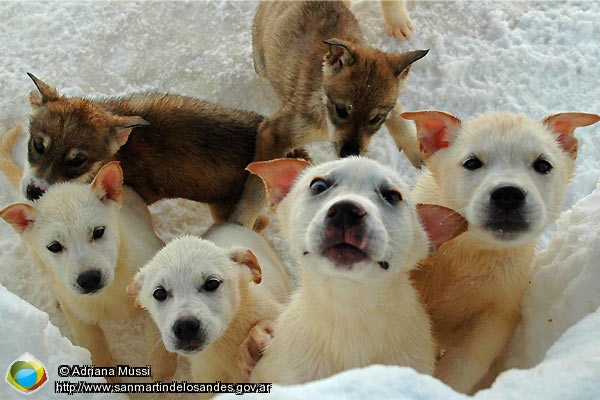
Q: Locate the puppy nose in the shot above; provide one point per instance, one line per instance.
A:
(33, 192)
(349, 149)
(186, 329)
(90, 281)
(345, 213)
(508, 197)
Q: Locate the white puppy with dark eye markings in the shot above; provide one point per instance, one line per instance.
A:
(204, 296)
(357, 234)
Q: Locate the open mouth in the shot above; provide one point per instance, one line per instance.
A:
(345, 255)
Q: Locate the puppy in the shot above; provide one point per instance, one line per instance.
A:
(205, 296)
(168, 146)
(356, 234)
(507, 174)
(92, 238)
(330, 84)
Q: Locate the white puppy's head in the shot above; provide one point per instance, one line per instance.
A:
(193, 290)
(506, 173)
(351, 218)
(74, 229)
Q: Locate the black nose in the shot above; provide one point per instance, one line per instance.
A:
(349, 149)
(34, 192)
(508, 197)
(90, 281)
(345, 214)
(186, 329)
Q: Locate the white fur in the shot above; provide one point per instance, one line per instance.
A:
(350, 317)
(226, 314)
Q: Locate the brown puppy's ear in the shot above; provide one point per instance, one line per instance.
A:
(122, 127)
(564, 124)
(19, 215)
(441, 224)
(247, 257)
(435, 130)
(108, 183)
(278, 175)
(340, 54)
(401, 62)
(45, 93)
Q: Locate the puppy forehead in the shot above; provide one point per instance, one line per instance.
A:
(187, 261)
(355, 172)
(510, 136)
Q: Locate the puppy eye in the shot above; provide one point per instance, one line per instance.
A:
(391, 196)
(160, 294)
(341, 111)
(98, 232)
(542, 166)
(38, 145)
(319, 185)
(77, 161)
(472, 163)
(211, 285)
(376, 119)
(55, 247)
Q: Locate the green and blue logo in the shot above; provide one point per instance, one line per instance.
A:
(26, 374)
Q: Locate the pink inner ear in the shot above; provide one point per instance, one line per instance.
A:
(109, 181)
(17, 216)
(278, 175)
(122, 135)
(441, 224)
(247, 257)
(435, 129)
(564, 125)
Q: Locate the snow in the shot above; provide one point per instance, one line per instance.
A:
(536, 58)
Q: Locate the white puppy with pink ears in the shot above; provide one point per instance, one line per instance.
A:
(93, 238)
(356, 233)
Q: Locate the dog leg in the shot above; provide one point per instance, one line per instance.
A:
(404, 134)
(252, 347)
(163, 362)
(397, 22)
(13, 172)
(464, 366)
(92, 338)
(251, 204)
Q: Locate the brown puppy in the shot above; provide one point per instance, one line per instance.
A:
(329, 83)
(168, 145)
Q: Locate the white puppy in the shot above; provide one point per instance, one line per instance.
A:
(356, 233)
(507, 174)
(205, 296)
(92, 242)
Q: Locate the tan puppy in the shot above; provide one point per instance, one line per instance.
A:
(168, 145)
(507, 174)
(93, 238)
(330, 84)
(7, 164)
(356, 234)
(204, 296)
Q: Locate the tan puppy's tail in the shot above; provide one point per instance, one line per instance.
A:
(11, 169)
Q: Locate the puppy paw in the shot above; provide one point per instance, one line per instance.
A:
(398, 24)
(251, 349)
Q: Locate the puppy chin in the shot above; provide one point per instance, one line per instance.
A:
(497, 236)
(188, 348)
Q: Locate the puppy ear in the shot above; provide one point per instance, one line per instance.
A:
(108, 183)
(134, 287)
(247, 257)
(340, 54)
(45, 93)
(401, 62)
(563, 126)
(441, 224)
(278, 175)
(19, 215)
(435, 130)
(122, 128)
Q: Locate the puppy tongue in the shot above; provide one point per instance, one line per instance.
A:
(345, 255)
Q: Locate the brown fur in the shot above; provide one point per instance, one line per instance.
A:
(7, 164)
(289, 50)
(190, 148)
